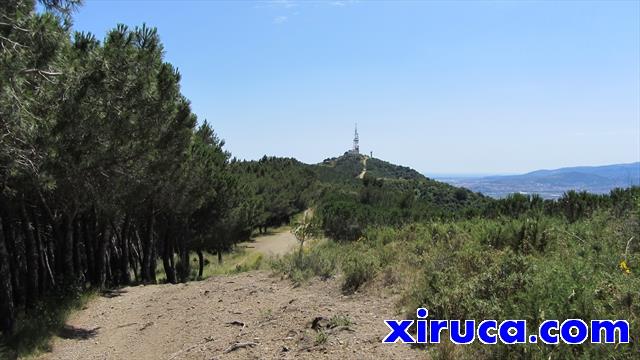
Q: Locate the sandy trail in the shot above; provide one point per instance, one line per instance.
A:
(277, 244)
(364, 168)
(203, 320)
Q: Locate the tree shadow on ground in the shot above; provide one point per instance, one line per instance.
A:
(113, 293)
(75, 333)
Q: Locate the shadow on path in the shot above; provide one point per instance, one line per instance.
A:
(72, 332)
(112, 293)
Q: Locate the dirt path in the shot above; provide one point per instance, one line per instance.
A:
(203, 320)
(364, 168)
(279, 243)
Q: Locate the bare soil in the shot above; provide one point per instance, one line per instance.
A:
(254, 315)
(276, 244)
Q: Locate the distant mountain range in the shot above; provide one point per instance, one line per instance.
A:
(552, 184)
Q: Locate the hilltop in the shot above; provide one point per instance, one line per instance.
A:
(353, 165)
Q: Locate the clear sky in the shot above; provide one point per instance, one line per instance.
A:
(443, 87)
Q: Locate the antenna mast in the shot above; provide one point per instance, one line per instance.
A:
(356, 141)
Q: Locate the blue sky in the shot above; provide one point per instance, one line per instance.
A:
(443, 87)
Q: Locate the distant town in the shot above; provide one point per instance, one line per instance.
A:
(551, 184)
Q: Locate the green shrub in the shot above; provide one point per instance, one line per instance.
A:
(340, 320)
(534, 268)
(250, 263)
(344, 221)
(358, 268)
(320, 260)
(502, 271)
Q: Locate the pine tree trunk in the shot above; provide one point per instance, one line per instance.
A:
(77, 239)
(89, 238)
(173, 263)
(9, 232)
(7, 310)
(113, 254)
(185, 264)
(42, 275)
(109, 261)
(31, 257)
(200, 263)
(47, 265)
(67, 259)
(125, 279)
(154, 261)
(167, 257)
(101, 256)
(135, 260)
(147, 250)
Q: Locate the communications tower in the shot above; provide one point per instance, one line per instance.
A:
(356, 142)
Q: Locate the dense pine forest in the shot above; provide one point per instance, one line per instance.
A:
(106, 176)
(104, 168)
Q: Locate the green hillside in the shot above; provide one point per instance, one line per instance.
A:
(382, 169)
(352, 165)
(278, 188)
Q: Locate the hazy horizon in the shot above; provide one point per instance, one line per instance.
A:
(442, 87)
(473, 175)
